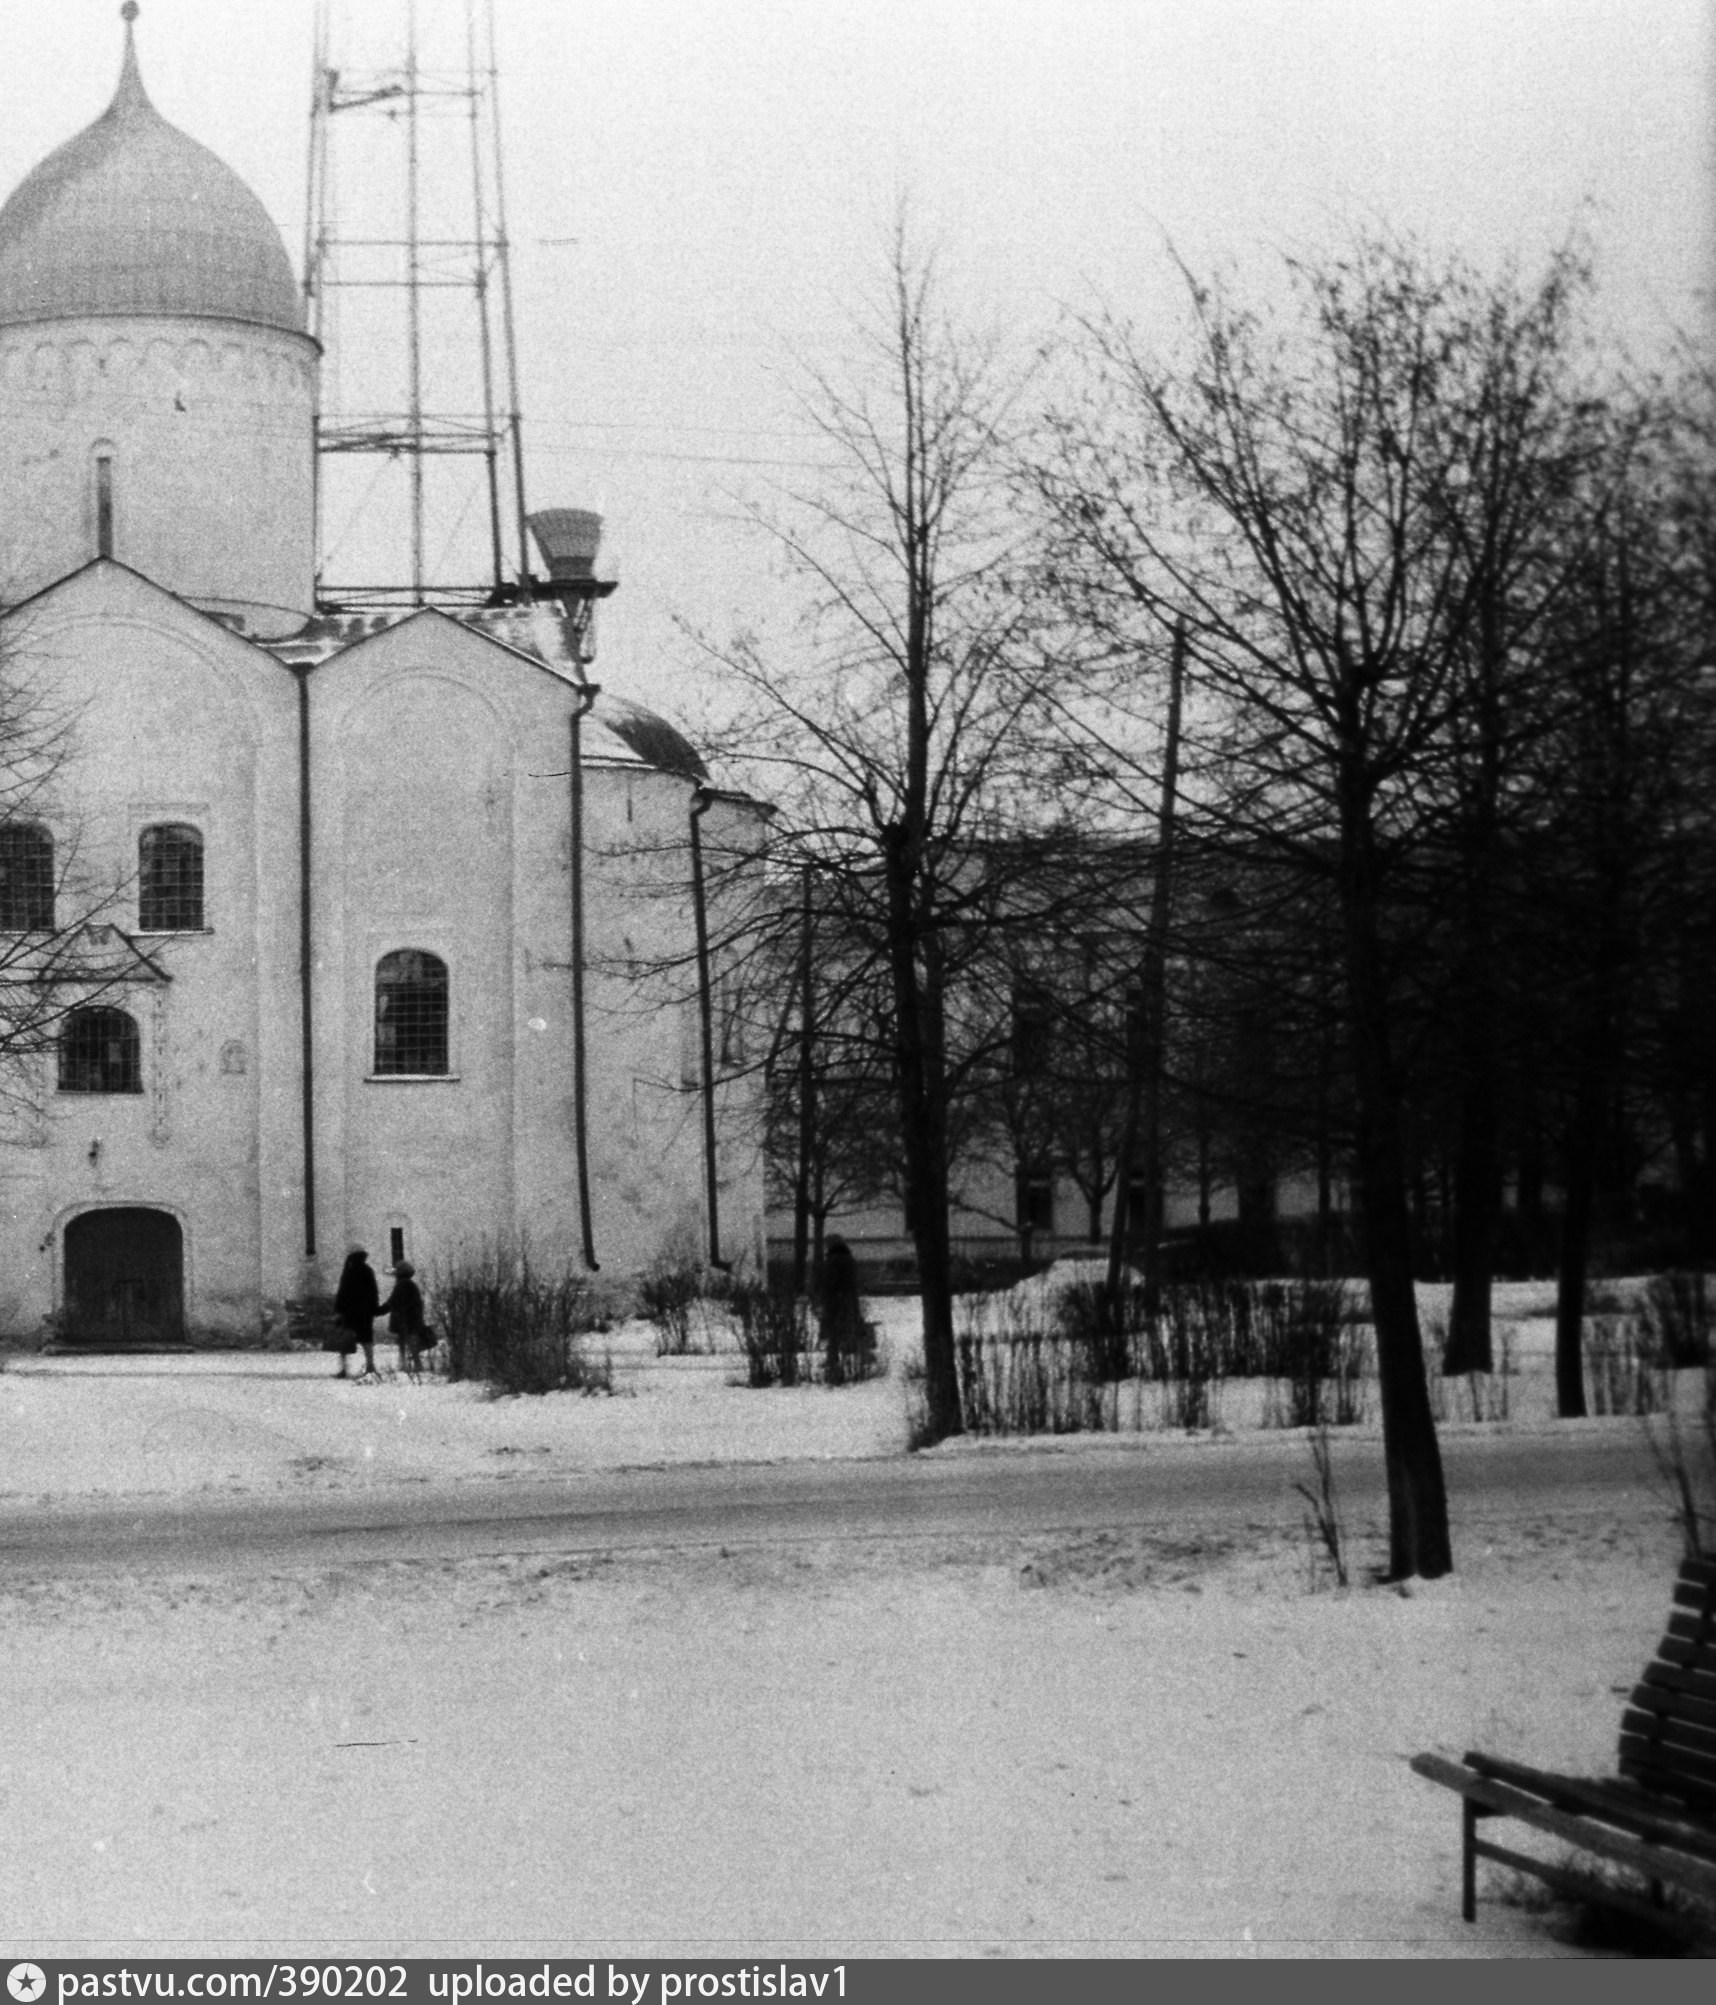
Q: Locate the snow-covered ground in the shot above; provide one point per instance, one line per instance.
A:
(1094, 1743)
(272, 1421)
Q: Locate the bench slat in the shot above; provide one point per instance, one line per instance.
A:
(1676, 1705)
(1670, 1731)
(1654, 1861)
(1659, 1817)
(1623, 1803)
(1586, 1886)
(1673, 1678)
(1698, 1797)
(1694, 1629)
(1686, 1764)
(1687, 1656)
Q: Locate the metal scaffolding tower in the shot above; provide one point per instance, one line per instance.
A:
(408, 288)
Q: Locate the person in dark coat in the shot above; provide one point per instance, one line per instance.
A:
(848, 1343)
(357, 1303)
(404, 1312)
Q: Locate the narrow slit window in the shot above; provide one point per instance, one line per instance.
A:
(26, 878)
(411, 1014)
(104, 506)
(170, 879)
(395, 1244)
(100, 1052)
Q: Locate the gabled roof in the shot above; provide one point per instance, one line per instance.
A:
(100, 568)
(621, 732)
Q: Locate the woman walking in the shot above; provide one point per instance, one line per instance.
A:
(404, 1312)
(357, 1303)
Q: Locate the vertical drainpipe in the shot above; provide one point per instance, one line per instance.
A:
(306, 966)
(806, 1094)
(701, 798)
(580, 1083)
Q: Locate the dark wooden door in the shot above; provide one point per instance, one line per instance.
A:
(125, 1277)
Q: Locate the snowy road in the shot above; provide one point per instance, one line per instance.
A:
(1085, 1485)
(412, 1671)
(292, 1665)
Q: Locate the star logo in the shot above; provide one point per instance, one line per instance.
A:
(26, 1982)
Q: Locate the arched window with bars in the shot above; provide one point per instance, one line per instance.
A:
(411, 995)
(170, 879)
(26, 878)
(100, 1052)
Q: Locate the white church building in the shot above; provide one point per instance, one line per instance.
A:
(359, 921)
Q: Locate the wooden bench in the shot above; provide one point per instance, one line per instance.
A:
(1658, 1818)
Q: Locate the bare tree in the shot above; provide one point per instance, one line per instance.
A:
(896, 736)
(1621, 821)
(1523, 472)
(59, 948)
(832, 1131)
(1288, 495)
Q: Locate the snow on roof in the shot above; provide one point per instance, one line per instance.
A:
(622, 733)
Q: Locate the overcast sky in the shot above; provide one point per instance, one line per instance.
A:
(725, 171)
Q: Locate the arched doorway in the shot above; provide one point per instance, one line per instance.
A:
(125, 1277)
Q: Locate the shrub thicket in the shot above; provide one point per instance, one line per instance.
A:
(1056, 1364)
(517, 1328)
(669, 1289)
(1016, 1377)
(1623, 1368)
(1675, 1319)
(774, 1331)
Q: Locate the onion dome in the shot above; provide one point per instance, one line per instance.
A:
(135, 217)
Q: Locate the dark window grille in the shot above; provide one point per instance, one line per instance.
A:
(100, 1052)
(1035, 1200)
(411, 1013)
(1032, 1031)
(395, 1244)
(170, 879)
(26, 879)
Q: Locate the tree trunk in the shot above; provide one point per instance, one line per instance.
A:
(1529, 1202)
(1477, 1191)
(1702, 1195)
(923, 1134)
(1600, 1038)
(1581, 1177)
(1418, 1541)
(1477, 1175)
(818, 1239)
(1156, 984)
(1142, 1138)
(1325, 1143)
(806, 1097)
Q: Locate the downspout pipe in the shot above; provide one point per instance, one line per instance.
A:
(580, 1066)
(306, 964)
(701, 801)
(806, 1091)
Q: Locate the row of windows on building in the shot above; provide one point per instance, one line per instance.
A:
(101, 1049)
(169, 879)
